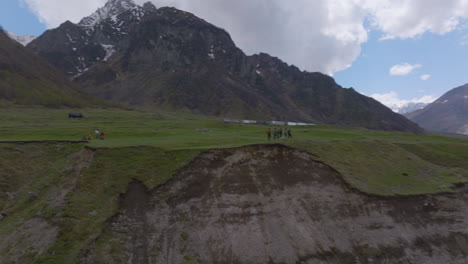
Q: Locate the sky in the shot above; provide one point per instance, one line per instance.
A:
(393, 50)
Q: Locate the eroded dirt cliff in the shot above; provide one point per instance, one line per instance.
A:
(274, 204)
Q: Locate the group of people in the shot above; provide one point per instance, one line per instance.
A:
(279, 133)
(98, 135)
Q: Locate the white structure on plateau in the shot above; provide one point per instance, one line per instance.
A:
(277, 123)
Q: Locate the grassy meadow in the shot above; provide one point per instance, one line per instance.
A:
(78, 188)
(376, 162)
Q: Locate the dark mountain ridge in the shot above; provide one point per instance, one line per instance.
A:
(174, 60)
(27, 79)
(449, 113)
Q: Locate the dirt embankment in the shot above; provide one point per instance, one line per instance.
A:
(37, 234)
(273, 204)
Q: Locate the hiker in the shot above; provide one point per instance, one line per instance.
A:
(101, 136)
(90, 137)
(96, 132)
(275, 133)
(268, 134)
(289, 133)
(280, 132)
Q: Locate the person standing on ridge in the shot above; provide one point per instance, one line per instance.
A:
(96, 132)
(268, 134)
(289, 133)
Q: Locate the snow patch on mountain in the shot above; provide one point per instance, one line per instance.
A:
(22, 39)
(110, 9)
(109, 51)
(211, 54)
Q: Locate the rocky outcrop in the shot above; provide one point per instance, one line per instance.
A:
(110, 9)
(274, 204)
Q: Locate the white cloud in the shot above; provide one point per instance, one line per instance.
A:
(54, 12)
(319, 35)
(392, 100)
(403, 69)
(425, 77)
(410, 18)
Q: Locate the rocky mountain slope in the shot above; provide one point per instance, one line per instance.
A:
(112, 8)
(27, 79)
(74, 48)
(141, 55)
(449, 113)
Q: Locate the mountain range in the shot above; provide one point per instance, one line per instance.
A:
(171, 59)
(449, 113)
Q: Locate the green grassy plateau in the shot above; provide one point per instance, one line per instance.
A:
(151, 146)
(373, 161)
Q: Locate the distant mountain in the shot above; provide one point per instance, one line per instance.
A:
(409, 107)
(27, 79)
(74, 48)
(449, 113)
(171, 59)
(23, 39)
(111, 9)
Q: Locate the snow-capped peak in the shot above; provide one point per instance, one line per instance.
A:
(24, 40)
(410, 107)
(402, 106)
(111, 8)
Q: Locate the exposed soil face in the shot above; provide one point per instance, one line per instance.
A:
(35, 235)
(133, 222)
(273, 204)
(81, 159)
